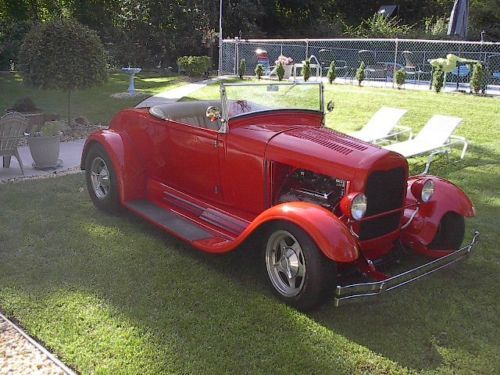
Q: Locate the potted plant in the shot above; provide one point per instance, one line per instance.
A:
(400, 78)
(44, 145)
(287, 63)
(27, 107)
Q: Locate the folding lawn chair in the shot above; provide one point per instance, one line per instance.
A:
(384, 124)
(434, 138)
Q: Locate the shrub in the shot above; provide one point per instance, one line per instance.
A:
(331, 72)
(259, 71)
(360, 73)
(306, 70)
(242, 68)
(194, 65)
(63, 55)
(280, 71)
(24, 105)
(438, 79)
(400, 77)
(476, 81)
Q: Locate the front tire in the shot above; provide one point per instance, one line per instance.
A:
(299, 274)
(450, 233)
(101, 179)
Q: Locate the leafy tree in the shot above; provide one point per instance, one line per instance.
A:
(400, 77)
(476, 81)
(360, 73)
(331, 72)
(259, 71)
(62, 55)
(242, 68)
(437, 79)
(280, 71)
(306, 70)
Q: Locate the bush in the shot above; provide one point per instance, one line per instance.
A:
(259, 71)
(195, 65)
(280, 71)
(11, 38)
(400, 77)
(242, 68)
(306, 70)
(438, 79)
(24, 105)
(476, 81)
(360, 73)
(331, 72)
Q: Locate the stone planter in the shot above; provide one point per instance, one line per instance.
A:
(45, 151)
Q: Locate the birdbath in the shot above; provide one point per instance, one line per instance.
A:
(132, 72)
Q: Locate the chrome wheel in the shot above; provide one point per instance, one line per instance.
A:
(285, 263)
(99, 177)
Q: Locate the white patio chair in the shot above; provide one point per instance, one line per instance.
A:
(12, 127)
(436, 137)
(384, 124)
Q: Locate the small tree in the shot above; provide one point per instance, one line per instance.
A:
(280, 71)
(306, 70)
(400, 77)
(259, 70)
(438, 79)
(62, 55)
(242, 68)
(331, 72)
(476, 81)
(360, 73)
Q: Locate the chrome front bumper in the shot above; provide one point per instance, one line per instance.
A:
(364, 291)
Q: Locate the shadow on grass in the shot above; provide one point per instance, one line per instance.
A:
(116, 293)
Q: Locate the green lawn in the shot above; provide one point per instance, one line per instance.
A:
(116, 295)
(96, 104)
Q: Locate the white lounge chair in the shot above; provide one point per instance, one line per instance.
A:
(384, 124)
(436, 137)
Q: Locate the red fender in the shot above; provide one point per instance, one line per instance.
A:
(129, 171)
(327, 231)
(447, 198)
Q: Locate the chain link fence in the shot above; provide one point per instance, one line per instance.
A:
(381, 56)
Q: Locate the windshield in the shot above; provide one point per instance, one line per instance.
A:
(241, 98)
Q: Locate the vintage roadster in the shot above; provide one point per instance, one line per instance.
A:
(259, 165)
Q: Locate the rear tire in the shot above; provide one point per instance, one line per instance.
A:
(450, 233)
(101, 179)
(299, 274)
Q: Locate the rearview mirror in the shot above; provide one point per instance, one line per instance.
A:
(330, 106)
(213, 113)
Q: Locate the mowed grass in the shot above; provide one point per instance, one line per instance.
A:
(113, 294)
(96, 104)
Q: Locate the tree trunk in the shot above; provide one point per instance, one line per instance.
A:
(69, 108)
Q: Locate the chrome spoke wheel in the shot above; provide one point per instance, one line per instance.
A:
(285, 263)
(99, 177)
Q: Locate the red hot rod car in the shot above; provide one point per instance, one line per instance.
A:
(259, 164)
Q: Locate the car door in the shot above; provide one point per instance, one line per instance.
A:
(186, 158)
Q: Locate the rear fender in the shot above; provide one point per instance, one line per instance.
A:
(129, 171)
(447, 198)
(327, 231)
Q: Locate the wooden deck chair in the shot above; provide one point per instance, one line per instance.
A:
(383, 125)
(436, 137)
(12, 127)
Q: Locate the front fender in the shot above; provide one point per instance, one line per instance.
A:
(447, 198)
(128, 168)
(327, 231)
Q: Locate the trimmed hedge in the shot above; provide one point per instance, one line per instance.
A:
(194, 65)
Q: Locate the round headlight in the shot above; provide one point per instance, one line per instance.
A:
(427, 191)
(423, 189)
(354, 205)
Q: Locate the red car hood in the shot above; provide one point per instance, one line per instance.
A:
(328, 152)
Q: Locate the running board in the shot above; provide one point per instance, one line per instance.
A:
(170, 221)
